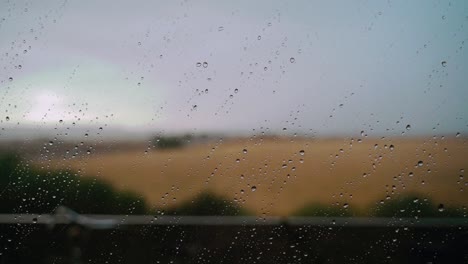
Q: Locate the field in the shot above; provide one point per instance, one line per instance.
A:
(272, 176)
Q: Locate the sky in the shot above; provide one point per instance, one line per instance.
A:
(307, 67)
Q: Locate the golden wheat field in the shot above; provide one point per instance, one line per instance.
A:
(272, 176)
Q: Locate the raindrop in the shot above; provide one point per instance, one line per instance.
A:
(301, 152)
(444, 63)
(7, 118)
(420, 163)
(221, 28)
(392, 147)
(205, 64)
(254, 188)
(236, 90)
(408, 127)
(10, 79)
(259, 37)
(440, 207)
(345, 205)
(458, 134)
(244, 151)
(292, 60)
(198, 64)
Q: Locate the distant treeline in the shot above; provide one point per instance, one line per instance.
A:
(26, 189)
(174, 141)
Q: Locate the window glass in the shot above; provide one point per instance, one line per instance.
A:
(210, 131)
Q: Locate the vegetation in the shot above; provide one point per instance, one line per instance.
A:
(208, 204)
(413, 205)
(28, 190)
(321, 210)
(170, 142)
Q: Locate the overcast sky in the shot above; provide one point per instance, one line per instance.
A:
(322, 67)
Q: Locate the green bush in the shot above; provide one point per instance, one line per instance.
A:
(413, 205)
(321, 210)
(208, 204)
(28, 190)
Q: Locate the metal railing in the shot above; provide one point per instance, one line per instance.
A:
(64, 215)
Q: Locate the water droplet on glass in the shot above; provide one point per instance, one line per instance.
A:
(408, 127)
(259, 37)
(345, 205)
(198, 64)
(292, 60)
(391, 147)
(301, 152)
(440, 208)
(220, 28)
(254, 188)
(7, 118)
(10, 79)
(458, 134)
(420, 163)
(244, 151)
(444, 63)
(236, 90)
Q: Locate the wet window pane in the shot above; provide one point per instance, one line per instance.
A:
(208, 131)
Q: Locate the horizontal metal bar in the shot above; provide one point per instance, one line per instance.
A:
(114, 221)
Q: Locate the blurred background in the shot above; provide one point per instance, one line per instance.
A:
(265, 109)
